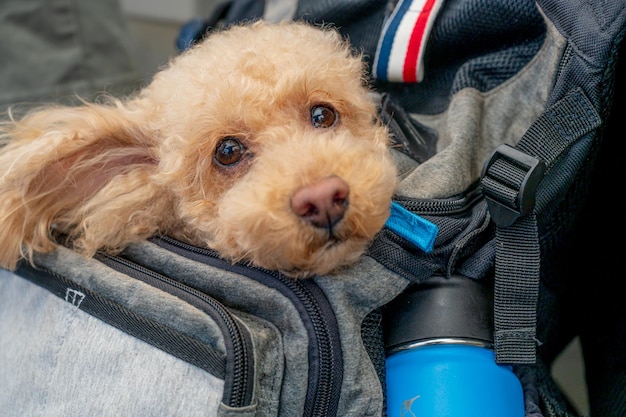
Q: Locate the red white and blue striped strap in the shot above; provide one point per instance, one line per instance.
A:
(401, 46)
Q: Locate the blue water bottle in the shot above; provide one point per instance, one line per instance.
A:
(440, 360)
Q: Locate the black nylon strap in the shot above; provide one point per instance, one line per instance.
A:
(410, 137)
(559, 126)
(517, 242)
(516, 291)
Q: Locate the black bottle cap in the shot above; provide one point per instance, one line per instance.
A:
(440, 308)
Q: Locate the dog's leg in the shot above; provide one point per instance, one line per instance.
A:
(84, 172)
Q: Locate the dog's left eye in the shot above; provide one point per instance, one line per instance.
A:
(323, 116)
(229, 151)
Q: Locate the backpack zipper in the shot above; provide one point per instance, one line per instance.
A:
(325, 355)
(239, 376)
(442, 207)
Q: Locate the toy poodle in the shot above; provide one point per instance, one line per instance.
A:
(261, 142)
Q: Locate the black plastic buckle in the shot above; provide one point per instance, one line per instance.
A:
(503, 212)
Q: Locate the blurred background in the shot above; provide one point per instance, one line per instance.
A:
(154, 26)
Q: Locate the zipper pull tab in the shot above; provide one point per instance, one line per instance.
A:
(412, 227)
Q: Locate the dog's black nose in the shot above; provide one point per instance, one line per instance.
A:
(322, 204)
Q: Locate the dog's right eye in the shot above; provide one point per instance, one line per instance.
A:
(229, 151)
(323, 116)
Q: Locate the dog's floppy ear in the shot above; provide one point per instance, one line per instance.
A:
(82, 171)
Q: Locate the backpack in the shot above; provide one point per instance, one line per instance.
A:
(500, 130)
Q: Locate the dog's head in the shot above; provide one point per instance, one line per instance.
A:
(263, 143)
(275, 148)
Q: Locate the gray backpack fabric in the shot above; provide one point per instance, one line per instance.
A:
(186, 334)
(497, 145)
